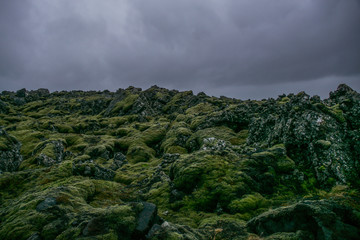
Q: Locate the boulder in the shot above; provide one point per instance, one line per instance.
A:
(323, 220)
(48, 203)
(315, 134)
(147, 217)
(10, 157)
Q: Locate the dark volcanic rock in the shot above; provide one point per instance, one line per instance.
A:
(320, 219)
(95, 226)
(35, 95)
(46, 204)
(146, 219)
(315, 135)
(119, 161)
(21, 93)
(4, 107)
(44, 160)
(56, 150)
(88, 169)
(10, 157)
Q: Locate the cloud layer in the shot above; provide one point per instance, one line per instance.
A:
(244, 49)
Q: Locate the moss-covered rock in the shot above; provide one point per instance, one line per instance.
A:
(316, 218)
(139, 153)
(10, 157)
(248, 203)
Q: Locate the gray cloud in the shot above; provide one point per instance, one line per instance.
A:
(220, 47)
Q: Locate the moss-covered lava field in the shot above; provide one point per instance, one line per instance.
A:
(163, 164)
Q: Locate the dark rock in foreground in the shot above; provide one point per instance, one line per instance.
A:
(323, 220)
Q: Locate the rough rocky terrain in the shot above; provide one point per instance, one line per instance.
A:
(163, 164)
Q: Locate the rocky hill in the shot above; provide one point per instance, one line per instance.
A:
(163, 164)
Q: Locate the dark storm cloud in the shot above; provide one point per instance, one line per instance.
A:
(245, 49)
(14, 41)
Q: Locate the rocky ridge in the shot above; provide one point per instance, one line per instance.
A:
(164, 164)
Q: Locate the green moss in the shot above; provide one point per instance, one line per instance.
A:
(69, 233)
(60, 171)
(132, 173)
(107, 193)
(159, 194)
(82, 158)
(17, 229)
(222, 132)
(274, 157)
(284, 100)
(139, 153)
(115, 122)
(176, 101)
(63, 128)
(240, 138)
(49, 151)
(7, 142)
(285, 164)
(310, 183)
(4, 146)
(331, 181)
(20, 220)
(29, 140)
(79, 147)
(73, 139)
(192, 170)
(78, 192)
(99, 150)
(215, 220)
(153, 134)
(201, 108)
(337, 113)
(196, 121)
(11, 119)
(124, 143)
(188, 217)
(248, 203)
(323, 144)
(12, 184)
(125, 104)
(182, 118)
(72, 194)
(266, 157)
(175, 149)
(141, 126)
(333, 111)
(52, 229)
(33, 106)
(121, 132)
(175, 140)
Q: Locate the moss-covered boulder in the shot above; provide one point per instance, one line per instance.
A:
(317, 219)
(10, 157)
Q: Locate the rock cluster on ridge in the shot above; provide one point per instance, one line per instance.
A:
(164, 164)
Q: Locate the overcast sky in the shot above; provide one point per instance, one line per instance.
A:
(238, 48)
